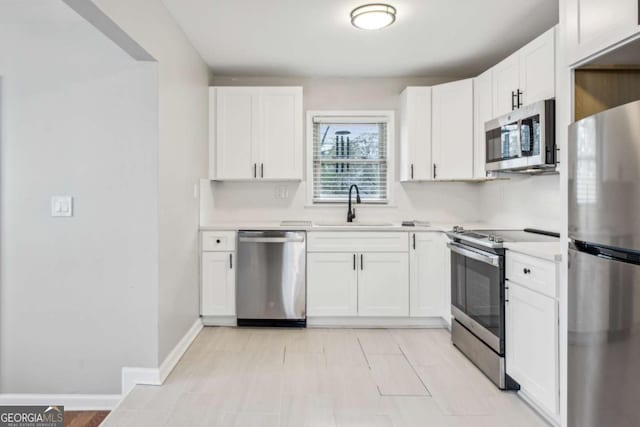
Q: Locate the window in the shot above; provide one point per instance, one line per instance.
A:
(348, 148)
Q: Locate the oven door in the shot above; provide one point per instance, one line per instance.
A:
(477, 293)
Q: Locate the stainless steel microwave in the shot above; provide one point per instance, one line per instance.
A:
(523, 140)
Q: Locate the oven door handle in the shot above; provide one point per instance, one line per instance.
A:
(486, 258)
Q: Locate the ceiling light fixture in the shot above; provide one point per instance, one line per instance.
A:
(373, 16)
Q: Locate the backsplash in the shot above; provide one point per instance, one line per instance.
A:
(436, 202)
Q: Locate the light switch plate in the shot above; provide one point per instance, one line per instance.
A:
(61, 206)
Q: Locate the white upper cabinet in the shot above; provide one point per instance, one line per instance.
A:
(415, 131)
(452, 130)
(538, 68)
(506, 83)
(281, 133)
(428, 275)
(594, 25)
(482, 113)
(255, 133)
(236, 118)
(527, 76)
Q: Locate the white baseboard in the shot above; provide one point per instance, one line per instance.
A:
(376, 322)
(219, 320)
(130, 377)
(553, 420)
(156, 376)
(71, 402)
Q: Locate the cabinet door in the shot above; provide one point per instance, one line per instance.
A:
(383, 284)
(427, 274)
(237, 128)
(594, 25)
(506, 81)
(538, 68)
(332, 284)
(281, 133)
(532, 344)
(218, 288)
(483, 112)
(415, 134)
(452, 125)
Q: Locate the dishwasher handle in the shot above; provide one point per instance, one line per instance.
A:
(271, 239)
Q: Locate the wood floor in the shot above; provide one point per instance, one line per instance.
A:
(323, 377)
(84, 418)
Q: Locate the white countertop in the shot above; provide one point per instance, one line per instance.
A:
(276, 225)
(551, 251)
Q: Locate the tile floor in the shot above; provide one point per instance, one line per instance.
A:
(323, 377)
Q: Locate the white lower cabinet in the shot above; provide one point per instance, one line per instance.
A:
(532, 355)
(383, 288)
(429, 275)
(218, 287)
(357, 274)
(332, 284)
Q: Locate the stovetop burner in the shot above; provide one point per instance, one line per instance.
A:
(496, 238)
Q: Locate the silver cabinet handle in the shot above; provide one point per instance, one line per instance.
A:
(411, 170)
(255, 170)
(230, 261)
(261, 170)
(271, 239)
(487, 259)
(361, 262)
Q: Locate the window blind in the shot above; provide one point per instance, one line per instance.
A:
(349, 150)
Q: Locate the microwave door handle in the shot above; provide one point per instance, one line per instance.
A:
(493, 260)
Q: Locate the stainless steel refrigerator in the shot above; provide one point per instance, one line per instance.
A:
(604, 269)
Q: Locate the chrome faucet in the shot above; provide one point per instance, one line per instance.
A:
(351, 212)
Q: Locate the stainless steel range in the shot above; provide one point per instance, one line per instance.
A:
(478, 296)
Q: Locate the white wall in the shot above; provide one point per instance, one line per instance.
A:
(183, 130)
(117, 284)
(522, 201)
(457, 202)
(78, 296)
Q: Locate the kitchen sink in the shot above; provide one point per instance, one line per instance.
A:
(352, 224)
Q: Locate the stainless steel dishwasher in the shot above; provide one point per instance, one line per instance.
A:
(271, 282)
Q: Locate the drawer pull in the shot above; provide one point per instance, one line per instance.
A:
(526, 271)
(218, 241)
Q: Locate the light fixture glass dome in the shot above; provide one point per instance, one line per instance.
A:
(373, 16)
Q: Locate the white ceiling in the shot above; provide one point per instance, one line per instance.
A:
(315, 38)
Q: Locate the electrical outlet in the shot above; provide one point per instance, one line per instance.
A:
(281, 192)
(61, 206)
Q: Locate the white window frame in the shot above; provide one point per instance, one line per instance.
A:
(386, 115)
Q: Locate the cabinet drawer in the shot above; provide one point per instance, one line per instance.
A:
(535, 273)
(213, 241)
(358, 241)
